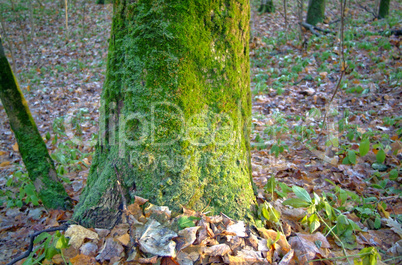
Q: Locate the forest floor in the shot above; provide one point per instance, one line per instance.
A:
(344, 175)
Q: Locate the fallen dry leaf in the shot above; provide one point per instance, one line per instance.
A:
(189, 235)
(124, 239)
(5, 164)
(111, 249)
(154, 233)
(78, 233)
(271, 235)
(217, 250)
(82, 259)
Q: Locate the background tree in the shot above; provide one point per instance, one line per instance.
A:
(315, 12)
(175, 111)
(266, 6)
(383, 9)
(33, 150)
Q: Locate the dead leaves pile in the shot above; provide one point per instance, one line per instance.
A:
(149, 235)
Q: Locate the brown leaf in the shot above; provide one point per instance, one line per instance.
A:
(168, 261)
(151, 260)
(82, 259)
(217, 250)
(77, 234)
(5, 164)
(316, 237)
(110, 250)
(271, 235)
(189, 236)
(15, 147)
(124, 239)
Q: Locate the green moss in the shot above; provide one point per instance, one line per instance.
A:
(178, 80)
(315, 12)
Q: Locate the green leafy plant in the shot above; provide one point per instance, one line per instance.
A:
(335, 222)
(187, 221)
(50, 246)
(368, 256)
(26, 192)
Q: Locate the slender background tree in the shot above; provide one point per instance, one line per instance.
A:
(33, 150)
(383, 9)
(267, 6)
(315, 12)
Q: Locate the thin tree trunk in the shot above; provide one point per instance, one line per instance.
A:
(11, 46)
(384, 9)
(266, 6)
(31, 18)
(31, 146)
(315, 12)
(285, 4)
(176, 108)
(300, 17)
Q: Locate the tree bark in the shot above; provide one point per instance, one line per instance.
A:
(266, 6)
(33, 150)
(384, 9)
(315, 12)
(175, 111)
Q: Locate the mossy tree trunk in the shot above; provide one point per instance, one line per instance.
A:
(33, 150)
(175, 111)
(315, 12)
(266, 6)
(384, 9)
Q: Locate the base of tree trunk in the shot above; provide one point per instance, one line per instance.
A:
(315, 12)
(384, 9)
(267, 6)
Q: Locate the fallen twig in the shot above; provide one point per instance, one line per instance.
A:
(311, 28)
(32, 238)
(368, 10)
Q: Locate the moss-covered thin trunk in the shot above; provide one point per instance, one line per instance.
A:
(384, 9)
(31, 146)
(266, 6)
(315, 12)
(176, 109)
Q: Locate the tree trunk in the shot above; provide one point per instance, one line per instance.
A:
(31, 146)
(315, 12)
(384, 8)
(175, 115)
(266, 6)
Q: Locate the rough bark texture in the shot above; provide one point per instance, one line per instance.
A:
(176, 109)
(315, 12)
(31, 146)
(266, 6)
(384, 9)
